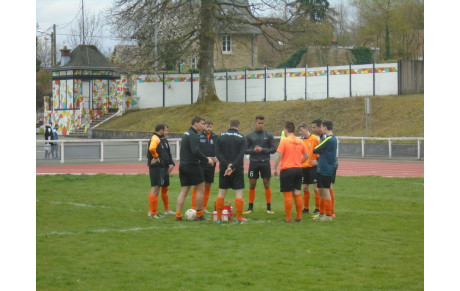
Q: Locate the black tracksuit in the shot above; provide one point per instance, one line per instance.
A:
(230, 149)
(265, 140)
(190, 153)
(207, 145)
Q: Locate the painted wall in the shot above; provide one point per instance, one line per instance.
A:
(69, 106)
(249, 86)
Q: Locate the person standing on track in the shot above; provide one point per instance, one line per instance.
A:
(230, 149)
(327, 163)
(260, 145)
(291, 152)
(190, 173)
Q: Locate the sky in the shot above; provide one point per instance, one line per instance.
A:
(65, 14)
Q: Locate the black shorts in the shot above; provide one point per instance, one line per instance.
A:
(290, 179)
(235, 181)
(309, 175)
(190, 175)
(208, 172)
(333, 174)
(157, 176)
(259, 167)
(323, 181)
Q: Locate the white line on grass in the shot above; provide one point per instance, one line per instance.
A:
(179, 226)
(111, 230)
(85, 205)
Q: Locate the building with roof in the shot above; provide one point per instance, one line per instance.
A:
(237, 35)
(86, 86)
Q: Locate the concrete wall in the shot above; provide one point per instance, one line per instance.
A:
(273, 85)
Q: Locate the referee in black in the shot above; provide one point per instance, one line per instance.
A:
(190, 173)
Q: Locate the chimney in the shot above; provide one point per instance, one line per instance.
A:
(65, 56)
(334, 42)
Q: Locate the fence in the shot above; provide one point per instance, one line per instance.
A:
(270, 84)
(136, 149)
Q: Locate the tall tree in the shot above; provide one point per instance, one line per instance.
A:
(170, 30)
(343, 23)
(394, 26)
(315, 10)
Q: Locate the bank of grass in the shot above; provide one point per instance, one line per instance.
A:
(93, 234)
(392, 116)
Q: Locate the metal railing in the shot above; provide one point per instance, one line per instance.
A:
(389, 140)
(106, 149)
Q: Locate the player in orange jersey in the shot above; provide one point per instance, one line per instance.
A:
(309, 166)
(291, 152)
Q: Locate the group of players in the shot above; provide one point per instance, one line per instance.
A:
(308, 160)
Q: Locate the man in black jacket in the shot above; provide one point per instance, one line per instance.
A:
(208, 147)
(160, 164)
(260, 145)
(230, 148)
(190, 173)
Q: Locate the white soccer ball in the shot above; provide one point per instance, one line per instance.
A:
(190, 214)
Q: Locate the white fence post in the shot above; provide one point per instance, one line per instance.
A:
(102, 151)
(418, 149)
(389, 148)
(338, 142)
(177, 149)
(62, 152)
(140, 150)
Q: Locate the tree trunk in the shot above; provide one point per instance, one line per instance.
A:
(207, 37)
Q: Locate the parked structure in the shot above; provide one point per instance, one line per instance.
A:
(85, 87)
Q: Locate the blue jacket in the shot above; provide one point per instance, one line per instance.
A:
(327, 151)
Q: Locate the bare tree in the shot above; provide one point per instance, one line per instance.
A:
(168, 30)
(43, 51)
(88, 30)
(343, 24)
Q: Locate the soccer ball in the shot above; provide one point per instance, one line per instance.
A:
(190, 214)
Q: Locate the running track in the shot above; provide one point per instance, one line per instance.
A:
(346, 168)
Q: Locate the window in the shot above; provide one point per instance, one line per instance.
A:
(193, 63)
(226, 44)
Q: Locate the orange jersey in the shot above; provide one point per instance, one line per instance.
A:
(293, 149)
(312, 141)
(154, 142)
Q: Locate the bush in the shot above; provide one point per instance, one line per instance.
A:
(363, 55)
(294, 59)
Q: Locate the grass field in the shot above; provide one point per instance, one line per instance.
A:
(93, 233)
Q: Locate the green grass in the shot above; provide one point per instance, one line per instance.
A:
(392, 116)
(93, 233)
